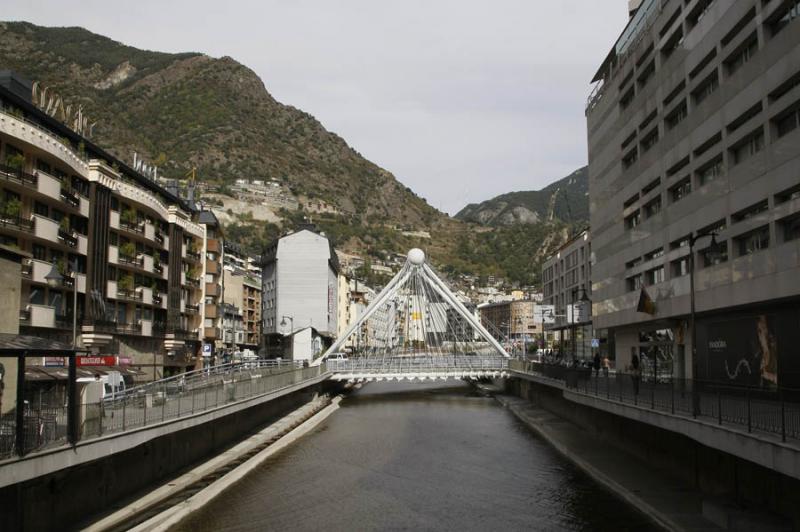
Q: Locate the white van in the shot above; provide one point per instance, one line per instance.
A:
(110, 385)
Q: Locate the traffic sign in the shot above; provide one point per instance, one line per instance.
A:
(595, 343)
(206, 350)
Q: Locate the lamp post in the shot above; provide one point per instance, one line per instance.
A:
(55, 279)
(714, 252)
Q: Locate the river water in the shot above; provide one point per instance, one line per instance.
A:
(403, 456)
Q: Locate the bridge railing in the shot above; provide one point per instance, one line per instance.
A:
(418, 364)
(156, 402)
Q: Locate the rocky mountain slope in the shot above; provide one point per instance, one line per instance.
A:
(189, 110)
(566, 200)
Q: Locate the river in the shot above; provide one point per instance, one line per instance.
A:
(403, 456)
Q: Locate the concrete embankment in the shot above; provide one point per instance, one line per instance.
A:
(177, 513)
(181, 495)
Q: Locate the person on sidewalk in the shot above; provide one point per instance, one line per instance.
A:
(605, 363)
(596, 364)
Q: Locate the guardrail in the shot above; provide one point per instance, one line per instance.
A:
(766, 409)
(418, 364)
(45, 425)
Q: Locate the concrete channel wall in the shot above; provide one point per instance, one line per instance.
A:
(106, 471)
(712, 471)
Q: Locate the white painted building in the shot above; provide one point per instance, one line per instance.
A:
(300, 285)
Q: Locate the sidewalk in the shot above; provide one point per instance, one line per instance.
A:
(665, 500)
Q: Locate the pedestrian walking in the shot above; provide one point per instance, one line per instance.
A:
(605, 363)
(596, 364)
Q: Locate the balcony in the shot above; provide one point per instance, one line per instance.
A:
(211, 311)
(134, 228)
(41, 316)
(191, 309)
(67, 238)
(212, 267)
(18, 176)
(129, 328)
(16, 223)
(210, 333)
(137, 262)
(69, 197)
(193, 256)
(157, 299)
(212, 289)
(159, 237)
(194, 283)
(128, 295)
(158, 268)
(212, 245)
(45, 228)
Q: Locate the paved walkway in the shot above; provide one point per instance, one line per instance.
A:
(665, 500)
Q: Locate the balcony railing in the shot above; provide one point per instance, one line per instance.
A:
(158, 268)
(195, 283)
(131, 295)
(132, 228)
(129, 328)
(67, 196)
(159, 237)
(159, 328)
(67, 238)
(17, 175)
(25, 316)
(157, 298)
(16, 222)
(193, 255)
(184, 334)
(107, 326)
(27, 269)
(131, 261)
(192, 309)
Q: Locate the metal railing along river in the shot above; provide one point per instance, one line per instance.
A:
(179, 396)
(766, 409)
(418, 364)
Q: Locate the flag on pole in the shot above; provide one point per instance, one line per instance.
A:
(646, 304)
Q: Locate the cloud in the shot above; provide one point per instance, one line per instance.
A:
(461, 100)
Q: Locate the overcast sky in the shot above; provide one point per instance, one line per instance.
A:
(461, 100)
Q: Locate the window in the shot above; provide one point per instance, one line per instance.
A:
(717, 257)
(626, 99)
(653, 207)
(634, 220)
(647, 74)
(749, 212)
(789, 11)
(753, 144)
(708, 144)
(633, 263)
(788, 195)
(785, 87)
(39, 252)
(681, 242)
(753, 241)
(677, 115)
(674, 93)
(706, 88)
(716, 227)
(680, 267)
(740, 57)
(674, 42)
(650, 140)
(651, 185)
(649, 118)
(703, 63)
(790, 227)
(680, 190)
(744, 117)
(630, 201)
(674, 169)
(656, 253)
(655, 276)
(788, 122)
(41, 209)
(710, 171)
(697, 14)
(738, 27)
(629, 158)
(634, 283)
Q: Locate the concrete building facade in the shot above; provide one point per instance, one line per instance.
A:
(566, 282)
(114, 234)
(694, 129)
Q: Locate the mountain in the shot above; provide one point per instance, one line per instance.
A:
(566, 200)
(191, 110)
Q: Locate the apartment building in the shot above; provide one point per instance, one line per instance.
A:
(510, 319)
(567, 286)
(300, 284)
(97, 228)
(694, 134)
(242, 281)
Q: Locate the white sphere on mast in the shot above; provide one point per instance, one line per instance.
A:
(416, 256)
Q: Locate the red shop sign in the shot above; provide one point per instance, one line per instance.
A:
(97, 361)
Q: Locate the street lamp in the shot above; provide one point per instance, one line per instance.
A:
(714, 252)
(55, 279)
(291, 321)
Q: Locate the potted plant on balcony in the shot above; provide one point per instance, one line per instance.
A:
(157, 262)
(128, 217)
(125, 283)
(11, 208)
(192, 274)
(63, 225)
(128, 249)
(16, 161)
